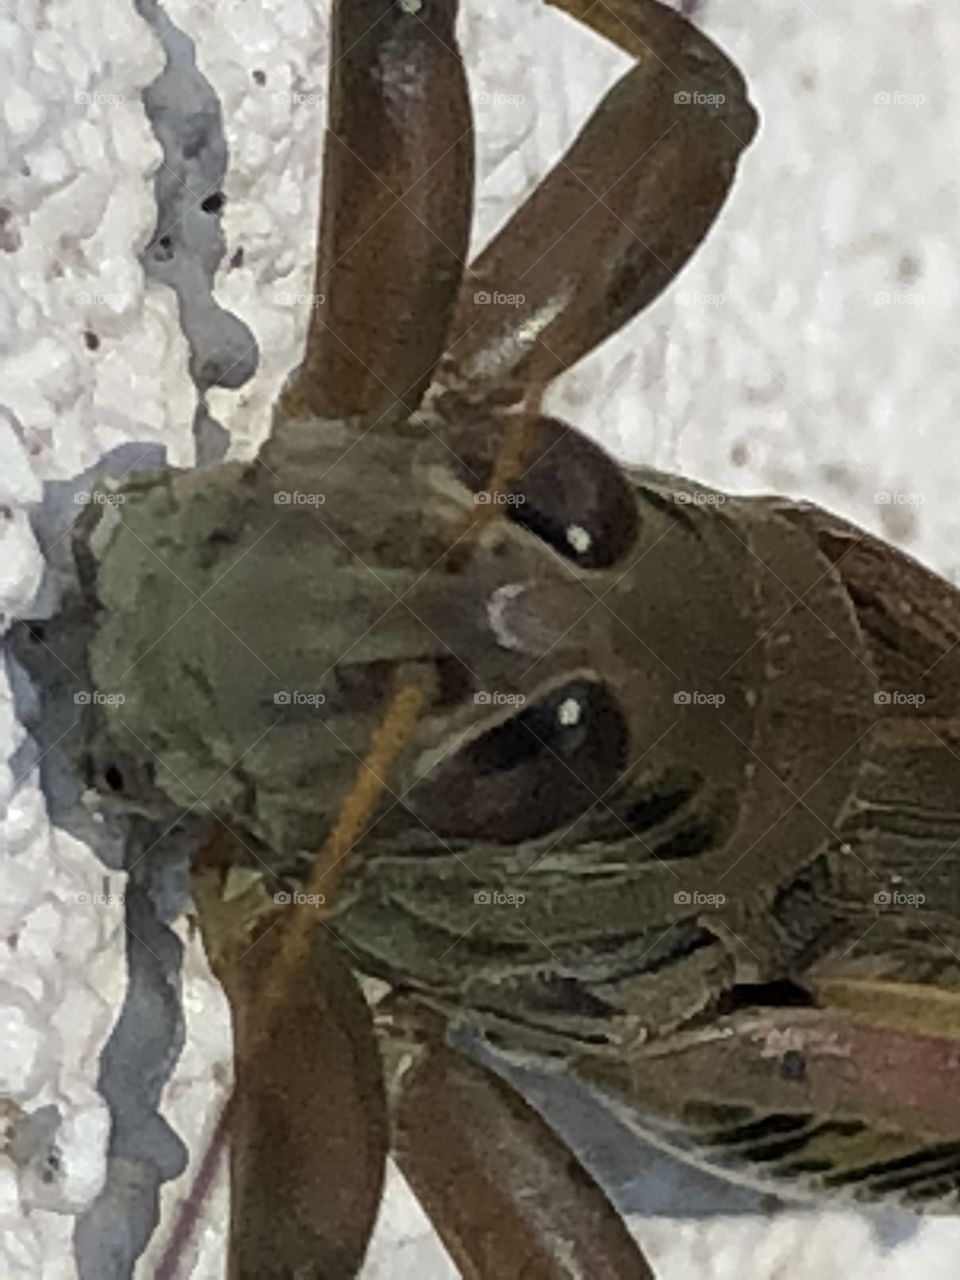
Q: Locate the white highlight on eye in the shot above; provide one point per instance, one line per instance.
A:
(579, 538)
(569, 712)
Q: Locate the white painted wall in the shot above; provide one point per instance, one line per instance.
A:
(826, 366)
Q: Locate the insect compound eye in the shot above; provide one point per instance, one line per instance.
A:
(522, 778)
(568, 491)
(576, 498)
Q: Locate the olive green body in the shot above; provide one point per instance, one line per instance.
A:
(776, 750)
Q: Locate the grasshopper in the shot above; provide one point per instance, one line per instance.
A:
(644, 781)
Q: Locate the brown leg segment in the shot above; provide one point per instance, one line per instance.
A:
(397, 203)
(508, 1198)
(620, 213)
(307, 1121)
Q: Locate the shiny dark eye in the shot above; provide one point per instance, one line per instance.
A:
(569, 492)
(541, 769)
(576, 498)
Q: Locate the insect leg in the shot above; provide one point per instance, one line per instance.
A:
(396, 205)
(307, 1120)
(507, 1196)
(619, 214)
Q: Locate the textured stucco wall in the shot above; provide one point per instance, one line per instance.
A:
(810, 348)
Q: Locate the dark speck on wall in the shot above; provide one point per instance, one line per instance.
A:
(739, 454)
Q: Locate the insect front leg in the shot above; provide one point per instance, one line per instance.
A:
(396, 206)
(307, 1121)
(505, 1193)
(619, 214)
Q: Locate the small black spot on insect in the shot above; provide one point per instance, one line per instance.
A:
(259, 77)
(793, 1066)
(237, 259)
(6, 513)
(91, 339)
(37, 631)
(163, 249)
(212, 203)
(113, 778)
